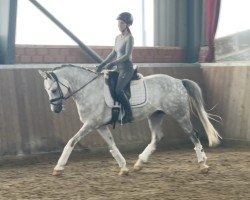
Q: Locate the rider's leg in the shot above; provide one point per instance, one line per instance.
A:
(127, 108)
(123, 79)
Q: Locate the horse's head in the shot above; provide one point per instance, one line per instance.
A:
(56, 89)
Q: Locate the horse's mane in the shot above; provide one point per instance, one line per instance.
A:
(74, 66)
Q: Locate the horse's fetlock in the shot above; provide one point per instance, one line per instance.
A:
(58, 168)
(118, 157)
(201, 156)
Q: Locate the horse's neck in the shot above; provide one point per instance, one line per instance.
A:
(75, 77)
(83, 82)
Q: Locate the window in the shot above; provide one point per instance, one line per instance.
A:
(234, 17)
(92, 21)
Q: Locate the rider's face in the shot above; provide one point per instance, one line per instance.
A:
(122, 25)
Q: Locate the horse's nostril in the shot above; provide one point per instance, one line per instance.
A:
(58, 108)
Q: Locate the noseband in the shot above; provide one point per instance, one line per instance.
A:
(59, 88)
(61, 97)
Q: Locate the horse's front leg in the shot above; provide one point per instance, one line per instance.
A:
(107, 136)
(68, 149)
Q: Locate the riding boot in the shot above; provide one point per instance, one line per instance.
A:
(127, 108)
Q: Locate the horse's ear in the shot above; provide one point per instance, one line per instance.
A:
(44, 74)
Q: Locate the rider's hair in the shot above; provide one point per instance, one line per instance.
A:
(129, 30)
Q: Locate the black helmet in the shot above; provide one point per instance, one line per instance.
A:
(126, 17)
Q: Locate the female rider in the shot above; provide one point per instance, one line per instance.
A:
(121, 56)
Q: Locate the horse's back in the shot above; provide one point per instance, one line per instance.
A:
(163, 81)
(166, 91)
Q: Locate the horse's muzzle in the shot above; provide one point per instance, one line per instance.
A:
(57, 108)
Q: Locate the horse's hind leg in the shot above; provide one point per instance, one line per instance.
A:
(187, 126)
(107, 136)
(155, 121)
(201, 156)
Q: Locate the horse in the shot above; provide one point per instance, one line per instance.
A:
(166, 96)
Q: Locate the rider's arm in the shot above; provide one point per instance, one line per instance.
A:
(107, 60)
(110, 57)
(128, 51)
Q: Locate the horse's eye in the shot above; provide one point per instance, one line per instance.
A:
(54, 91)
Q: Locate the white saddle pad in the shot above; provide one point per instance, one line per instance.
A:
(138, 93)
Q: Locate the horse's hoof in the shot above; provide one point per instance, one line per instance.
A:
(204, 169)
(124, 172)
(137, 168)
(57, 172)
(138, 165)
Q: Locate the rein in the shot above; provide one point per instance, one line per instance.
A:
(71, 93)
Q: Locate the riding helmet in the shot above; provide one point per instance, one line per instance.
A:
(126, 17)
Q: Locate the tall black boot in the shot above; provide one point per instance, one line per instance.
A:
(127, 107)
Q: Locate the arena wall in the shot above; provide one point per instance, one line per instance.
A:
(73, 54)
(227, 87)
(28, 126)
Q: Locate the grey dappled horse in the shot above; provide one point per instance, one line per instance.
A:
(166, 96)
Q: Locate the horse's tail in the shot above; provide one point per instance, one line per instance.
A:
(196, 99)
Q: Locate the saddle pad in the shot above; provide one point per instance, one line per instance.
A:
(138, 93)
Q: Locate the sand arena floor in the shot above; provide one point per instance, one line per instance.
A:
(170, 174)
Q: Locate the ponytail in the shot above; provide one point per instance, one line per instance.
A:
(129, 30)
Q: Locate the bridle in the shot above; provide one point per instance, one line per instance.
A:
(61, 96)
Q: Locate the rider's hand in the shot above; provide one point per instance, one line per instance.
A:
(110, 65)
(99, 67)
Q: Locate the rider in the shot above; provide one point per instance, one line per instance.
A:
(121, 56)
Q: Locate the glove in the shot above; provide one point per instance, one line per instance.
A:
(99, 67)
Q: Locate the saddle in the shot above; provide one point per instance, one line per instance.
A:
(111, 80)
